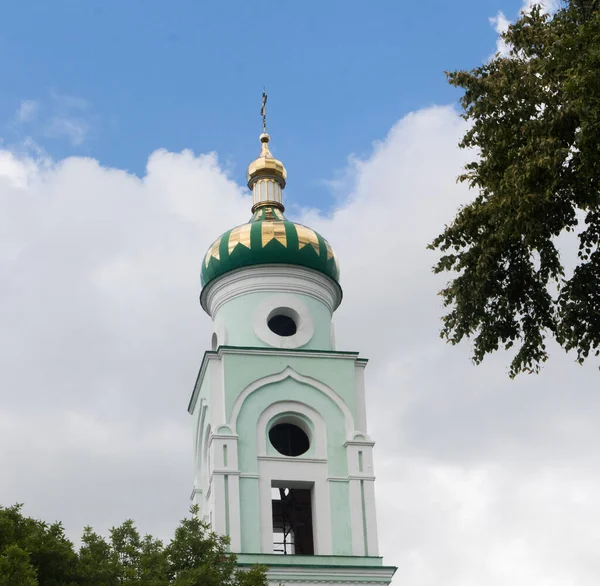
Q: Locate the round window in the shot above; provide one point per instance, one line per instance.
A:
(288, 439)
(283, 321)
(282, 325)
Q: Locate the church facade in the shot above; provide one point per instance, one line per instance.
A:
(283, 458)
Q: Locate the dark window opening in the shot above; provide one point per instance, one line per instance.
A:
(282, 325)
(292, 521)
(288, 439)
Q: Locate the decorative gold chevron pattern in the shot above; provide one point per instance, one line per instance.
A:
(305, 237)
(273, 231)
(330, 253)
(335, 262)
(239, 235)
(213, 251)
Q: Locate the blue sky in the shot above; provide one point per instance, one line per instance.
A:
(116, 80)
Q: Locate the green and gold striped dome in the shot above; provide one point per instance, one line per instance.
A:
(268, 238)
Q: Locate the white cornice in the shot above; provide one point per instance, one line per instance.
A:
(294, 574)
(208, 356)
(288, 352)
(273, 278)
(361, 477)
(224, 472)
(222, 436)
(195, 491)
(291, 459)
(360, 443)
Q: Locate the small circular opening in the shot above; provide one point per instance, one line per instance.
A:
(282, 325)
(288, 439)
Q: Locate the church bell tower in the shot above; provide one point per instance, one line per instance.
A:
(283, 459)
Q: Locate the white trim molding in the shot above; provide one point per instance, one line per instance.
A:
(308, 474)
(307, 380)
(288, 353)
(219, 334)
(284, 304)
(270, 278)
(318, 441)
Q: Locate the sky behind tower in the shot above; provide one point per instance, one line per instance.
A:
(126, 131)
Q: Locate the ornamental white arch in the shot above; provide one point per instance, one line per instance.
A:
(318, 432)
(199, 431)
(206, 460)
(289, 372)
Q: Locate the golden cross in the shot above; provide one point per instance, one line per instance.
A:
(263, 110)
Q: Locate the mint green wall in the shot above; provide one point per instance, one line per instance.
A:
(241, 370)
(204, 397)
(238, 317)
(253, 406)
(250, 516)
(290, 389)
(341, 537)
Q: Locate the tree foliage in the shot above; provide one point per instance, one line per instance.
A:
(535, 124)
(34, 553)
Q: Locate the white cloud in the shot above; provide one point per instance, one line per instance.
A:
(61, 116)
(501, 23)
(481, 480)
(73, 129)
(28, 110)
(548, 6)
(68, 101)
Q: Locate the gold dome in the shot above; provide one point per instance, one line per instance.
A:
(266, 166)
